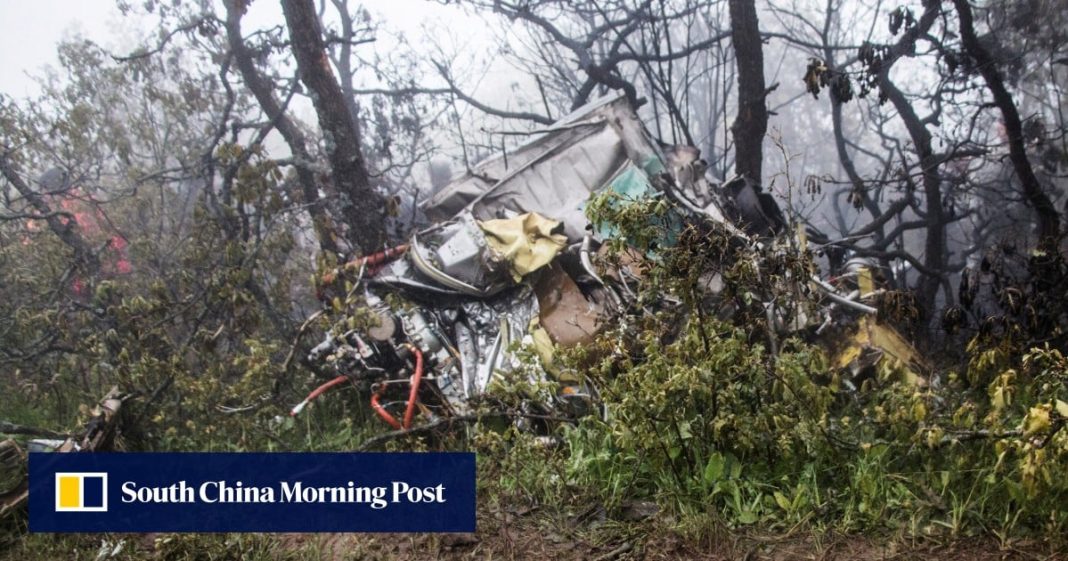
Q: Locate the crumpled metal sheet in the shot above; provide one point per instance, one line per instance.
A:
(526, 242)
(566, 315)
(557, 183)
(493, 325)
(462, 191)
(692, 188)
(873, 342)
(471, 258)
(554, 175)
(456, 255)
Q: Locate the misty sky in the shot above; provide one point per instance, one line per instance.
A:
(30, 29)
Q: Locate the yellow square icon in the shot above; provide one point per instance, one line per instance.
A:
(81, 492)
(70, 491)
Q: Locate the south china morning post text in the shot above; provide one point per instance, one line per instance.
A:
(252, 492)
(210, 492)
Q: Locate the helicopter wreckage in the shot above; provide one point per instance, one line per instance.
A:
(511, 263)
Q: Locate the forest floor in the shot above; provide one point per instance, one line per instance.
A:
(534, 535)
(537, 533)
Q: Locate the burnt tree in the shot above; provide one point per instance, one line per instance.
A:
(934, 258)
(751, 123)
(1037, 199)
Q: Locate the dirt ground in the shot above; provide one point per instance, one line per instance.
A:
(512, 532)
(532, 535)
(537, 535)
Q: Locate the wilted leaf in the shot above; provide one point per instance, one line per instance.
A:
(1037, 420)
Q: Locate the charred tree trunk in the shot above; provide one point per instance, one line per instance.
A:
(362, 206)
(1048, 219)
(751, 124)
(262, 90)
(934, 249)
(934, 258)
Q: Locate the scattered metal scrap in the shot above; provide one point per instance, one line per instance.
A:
(98, 434)
(510, 261)
(871, 344)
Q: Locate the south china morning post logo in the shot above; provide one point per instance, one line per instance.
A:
(252, 492)
(81, 492)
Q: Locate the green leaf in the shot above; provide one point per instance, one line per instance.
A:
(782, 501)
(684, 430)
(714, 468)
(735, 467)
(747, 517)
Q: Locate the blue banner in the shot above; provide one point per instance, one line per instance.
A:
(252, 492)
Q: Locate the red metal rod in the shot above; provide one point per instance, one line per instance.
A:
(372, 262)
(377, 258)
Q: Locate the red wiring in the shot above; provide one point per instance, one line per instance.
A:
(413, 395)
(317, 392)
(409, 411)
(382, 410)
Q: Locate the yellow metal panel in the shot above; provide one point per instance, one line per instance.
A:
(864, 281)
(526, 242)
